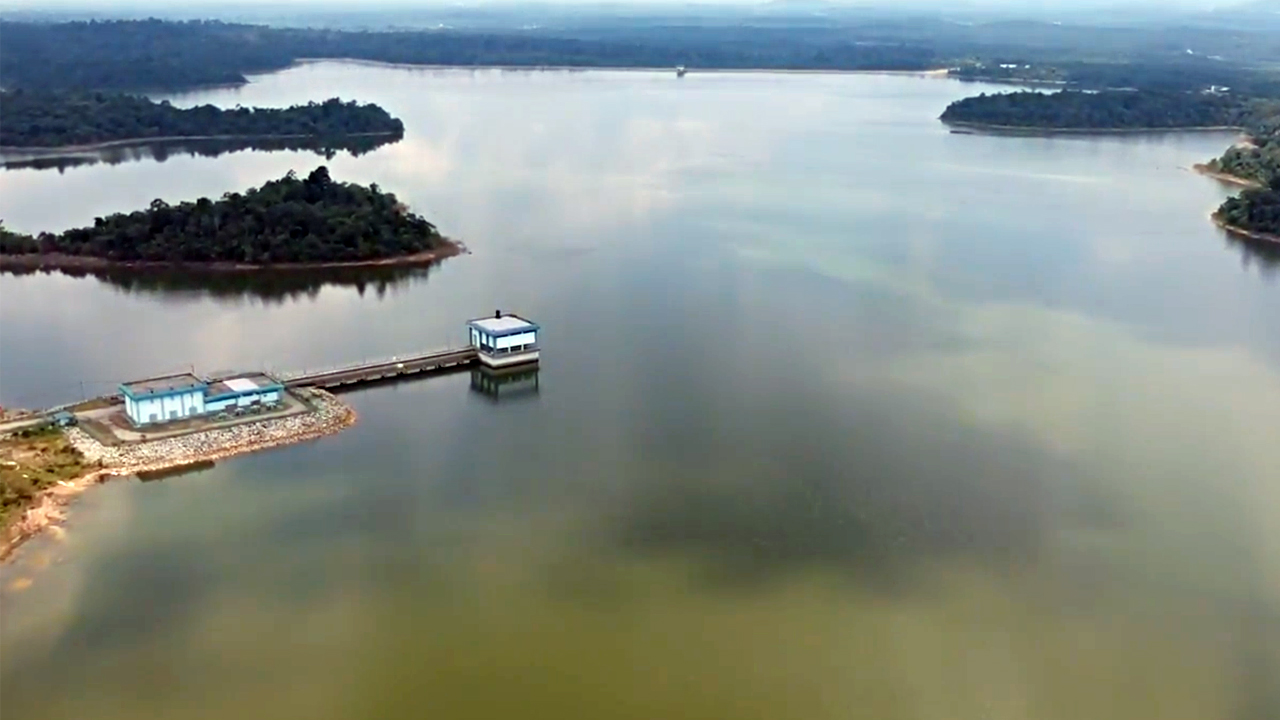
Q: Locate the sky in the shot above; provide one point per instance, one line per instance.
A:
(1030, 5)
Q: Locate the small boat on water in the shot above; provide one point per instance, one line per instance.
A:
(680, 71)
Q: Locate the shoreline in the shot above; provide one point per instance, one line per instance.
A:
(60, 150)
(1204, 169)
(928, 72)
(46, 510)
(1241, 232)
(58, 261)
(1026, 130)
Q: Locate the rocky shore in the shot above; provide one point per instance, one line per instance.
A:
(330, 415)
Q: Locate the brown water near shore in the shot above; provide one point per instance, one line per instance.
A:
(47, 508)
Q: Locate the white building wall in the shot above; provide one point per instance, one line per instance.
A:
(169, 407)
(146, 409)
(515, 358)
(219, 405)
(243, 401)
(510, 341)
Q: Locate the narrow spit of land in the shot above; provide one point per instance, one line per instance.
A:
(288, 223)
(44, 468)
(1252, 163)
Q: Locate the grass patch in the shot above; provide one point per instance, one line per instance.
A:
(30, 461)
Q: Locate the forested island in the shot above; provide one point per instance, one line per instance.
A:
(42, 119)
(1107, 110)
(288, 222)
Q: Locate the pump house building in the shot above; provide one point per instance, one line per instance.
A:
(504, 340)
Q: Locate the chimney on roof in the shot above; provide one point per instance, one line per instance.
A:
(497, 314)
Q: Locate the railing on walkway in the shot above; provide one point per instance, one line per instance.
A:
(409, 363)
(368, 363)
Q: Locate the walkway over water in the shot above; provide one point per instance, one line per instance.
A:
(384, 369)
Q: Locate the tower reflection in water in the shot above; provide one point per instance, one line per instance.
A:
(509, 384)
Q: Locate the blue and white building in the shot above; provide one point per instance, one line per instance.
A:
(242, 391)
(186, 395)
(161, 399)
(504, 340)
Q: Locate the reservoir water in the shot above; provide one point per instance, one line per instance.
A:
(839, 415)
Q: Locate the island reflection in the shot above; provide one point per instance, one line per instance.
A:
(163, 150)
(1265, 256)
(265, 286)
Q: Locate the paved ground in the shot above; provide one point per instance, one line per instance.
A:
(111, 427)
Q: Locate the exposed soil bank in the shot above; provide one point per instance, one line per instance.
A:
(1241, 232)
(58, 261)
(47, 509)
(1204, 169)
(129, 142)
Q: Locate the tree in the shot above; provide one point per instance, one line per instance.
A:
(316, 220)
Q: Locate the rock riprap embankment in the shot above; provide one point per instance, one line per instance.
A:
(329, 415)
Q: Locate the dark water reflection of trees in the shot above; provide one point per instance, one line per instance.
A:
(1264, 256)
(162, 151)
(267, 286)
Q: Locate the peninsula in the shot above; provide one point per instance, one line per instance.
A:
(285, 223)
(45, 121)
(1254, 163)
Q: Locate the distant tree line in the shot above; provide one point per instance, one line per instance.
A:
(291, 220)
(163, 55)
(55, 119)
(1168, 75)
(1107, 110)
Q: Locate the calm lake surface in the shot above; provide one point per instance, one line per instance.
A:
(840, 415)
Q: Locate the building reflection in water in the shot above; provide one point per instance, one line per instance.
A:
(507, 384)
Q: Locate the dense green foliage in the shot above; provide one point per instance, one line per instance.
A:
(1256, 210)
(1111, 110)
(1258, 160)
(44, 119)
(315, 220)
(152, 54)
